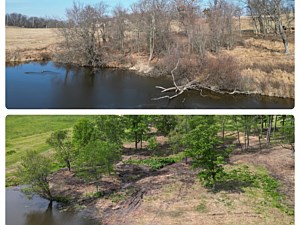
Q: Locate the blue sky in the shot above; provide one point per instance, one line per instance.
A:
(53, 8)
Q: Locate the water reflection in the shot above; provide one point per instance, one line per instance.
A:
(40, 217)
(67, 86)
(37, 211)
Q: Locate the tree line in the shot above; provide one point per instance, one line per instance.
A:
(20, 20)
(166, 28)
(93, 146)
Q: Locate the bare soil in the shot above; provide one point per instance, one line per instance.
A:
(172, 195)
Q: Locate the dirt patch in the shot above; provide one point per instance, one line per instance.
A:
(172, 195)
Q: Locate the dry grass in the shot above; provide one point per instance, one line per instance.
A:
(266, 69)
(24, 44)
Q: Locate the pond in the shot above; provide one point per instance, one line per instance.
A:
(55, 86)
(21, 210)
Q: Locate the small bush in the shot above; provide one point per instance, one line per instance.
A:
(152, 144)
(223, 71)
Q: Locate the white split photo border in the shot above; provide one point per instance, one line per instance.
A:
(5, 112)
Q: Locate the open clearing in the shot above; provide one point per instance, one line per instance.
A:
(137, 194)
(173, 195)
(25, 44)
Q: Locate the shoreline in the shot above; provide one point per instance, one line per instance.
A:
(138, 69)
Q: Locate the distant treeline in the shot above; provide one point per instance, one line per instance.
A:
(20, 20)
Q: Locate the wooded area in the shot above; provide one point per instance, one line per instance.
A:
(121, 166)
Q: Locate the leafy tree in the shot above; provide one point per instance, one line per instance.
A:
(202, 146)
(34, 171)
(181, 128)
(110, 128)
(165, 123)
(63, 146)
(288, 130)
(84, 131)
(137, 126)
(97, 158)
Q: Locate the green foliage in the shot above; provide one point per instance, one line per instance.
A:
(110, 128)
(11, 152)
(176, 135)
(97, 158)
(34, 171)
(64, 149)
(84, 131)
(152, 144)
(288, 130)
(261, 180)
(137, 127)
(164, 123)
(154, 163)
(202, 146)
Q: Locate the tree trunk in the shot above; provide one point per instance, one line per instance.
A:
(136, 141)
(269, 130)
(69, 165)
(278, 23)
(238, 132)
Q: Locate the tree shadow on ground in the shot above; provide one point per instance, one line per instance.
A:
(163, 150)
(231, 186)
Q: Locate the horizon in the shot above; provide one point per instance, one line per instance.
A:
(54, 8)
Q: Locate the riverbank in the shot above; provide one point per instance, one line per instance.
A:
(264, 69)
(136, 194)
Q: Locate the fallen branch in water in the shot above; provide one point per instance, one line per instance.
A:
(194, 85)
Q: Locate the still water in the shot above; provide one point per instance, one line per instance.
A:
(53, 86)
(23, 211)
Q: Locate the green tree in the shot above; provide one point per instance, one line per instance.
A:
(64, 149)
(84, 131)
(97, 158)
(137, 127)
(202, 145)
(288, 130)
(164, 123)
(110, 128)
(34, 170)
(176, 135)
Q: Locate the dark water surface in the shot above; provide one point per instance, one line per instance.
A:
(23, 211)
(52, 86)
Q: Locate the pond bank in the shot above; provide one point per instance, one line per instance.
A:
(265, 70)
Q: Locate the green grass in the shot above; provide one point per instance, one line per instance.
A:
(260, 186)
(156, 163)
(30, 133)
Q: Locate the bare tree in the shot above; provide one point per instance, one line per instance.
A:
(278, 22)
(120, 16)
(85, 34)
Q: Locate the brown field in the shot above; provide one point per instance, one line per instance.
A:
(24, 44)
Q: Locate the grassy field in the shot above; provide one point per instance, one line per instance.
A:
(30, 133)
(25, 44)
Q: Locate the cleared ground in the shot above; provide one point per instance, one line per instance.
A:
(136, 194)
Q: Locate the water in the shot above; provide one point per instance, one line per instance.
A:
(23, 211)
(48, 85)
